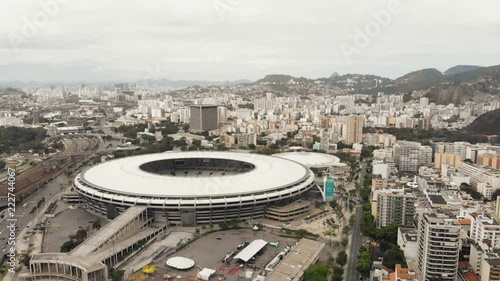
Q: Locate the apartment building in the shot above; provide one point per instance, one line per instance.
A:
(485, 261)
(480, 174)
(438, 247)
(409, 155)
(446, 158)
(354, 128)
(393, 206)
(484, 227)
(490, 160)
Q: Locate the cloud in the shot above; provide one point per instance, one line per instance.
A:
(256, 37)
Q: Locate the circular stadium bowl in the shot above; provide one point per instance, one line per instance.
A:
(189, 188)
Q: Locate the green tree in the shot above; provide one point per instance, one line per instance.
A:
(2, 164)
(342, 258)
(364, 265)
(393, 256)
(344, 242)
(196, 142)
(116, 275)
(96, 224)
(316, 272)
(68, 246)
(251, 146)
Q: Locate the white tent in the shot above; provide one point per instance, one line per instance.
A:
(251, 250)
(206, 273)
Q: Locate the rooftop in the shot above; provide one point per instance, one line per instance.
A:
(293, 265)
(251, 250)
(310, 159)
(104, 234)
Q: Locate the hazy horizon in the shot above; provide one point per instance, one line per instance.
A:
(227, 40)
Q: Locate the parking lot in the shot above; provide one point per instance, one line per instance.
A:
(208, 251)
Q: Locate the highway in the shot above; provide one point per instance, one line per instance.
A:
(356, 238)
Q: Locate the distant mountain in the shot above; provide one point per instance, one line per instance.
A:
(281, 79)
(334, 75)
(461, 68)
(490, 72)
(180, 84)
(160, 83)
(486, 124)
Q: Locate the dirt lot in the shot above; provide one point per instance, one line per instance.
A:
(66, 224)
(209, 250)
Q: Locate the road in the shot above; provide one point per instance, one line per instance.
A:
(23, 215)
(356, 238)
(356, 241)
(49, 191)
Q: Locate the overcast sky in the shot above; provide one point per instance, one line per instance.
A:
(96, 40)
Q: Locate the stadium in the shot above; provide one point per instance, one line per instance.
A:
(190, 188)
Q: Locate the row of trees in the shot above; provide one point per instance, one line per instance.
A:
(365, 261)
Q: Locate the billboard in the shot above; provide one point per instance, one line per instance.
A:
(329, 190)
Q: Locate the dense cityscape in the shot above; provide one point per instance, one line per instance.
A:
(111, 175)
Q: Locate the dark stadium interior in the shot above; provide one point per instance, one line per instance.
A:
(197, 167)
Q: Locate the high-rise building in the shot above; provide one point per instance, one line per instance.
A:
(221, 114)
(393, 206)
(184, 115)
(36, 116)
(204, 118)
(424, 101)
(446, 158)
(263, 104)
(354, 128)
(409, 155)
(438, 247)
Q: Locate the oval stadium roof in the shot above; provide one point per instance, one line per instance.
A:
(310, 159)
(123, 176)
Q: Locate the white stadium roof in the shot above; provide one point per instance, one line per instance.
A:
(251, 250)
(180, 263)
(123, 176)
(310, 159)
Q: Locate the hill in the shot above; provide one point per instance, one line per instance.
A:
(491, 72)
(461, 68)
(419, 80)
(486, 124)
(448, 93)
(281, 79)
